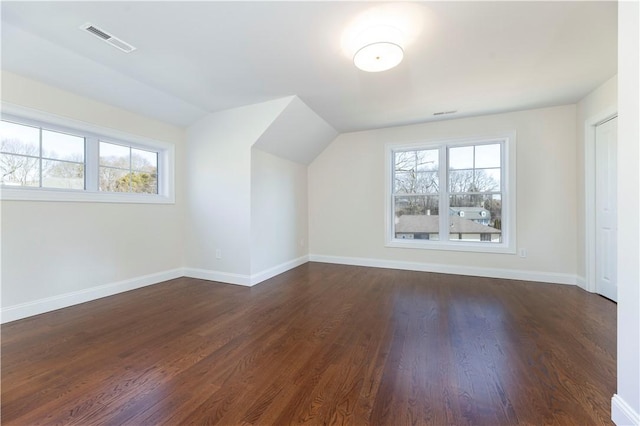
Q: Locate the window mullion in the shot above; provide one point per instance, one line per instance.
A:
(444, 194)
(40, 154)
(160, 172)
(92, 165)
(504, 193)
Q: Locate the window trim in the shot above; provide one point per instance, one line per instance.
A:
(508, 190)
(91, 132)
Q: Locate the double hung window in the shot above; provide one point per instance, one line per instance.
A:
(452, 195)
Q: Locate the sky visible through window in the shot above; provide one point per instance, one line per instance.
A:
(55, 145)
(50, 155)
(486, 156)
(37, 157)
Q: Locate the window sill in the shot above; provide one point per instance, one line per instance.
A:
(61, 195)
(452, 246)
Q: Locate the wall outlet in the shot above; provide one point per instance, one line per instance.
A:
(522, 252)
(218, 254)
(301, 243)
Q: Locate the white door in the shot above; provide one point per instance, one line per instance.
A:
(606, 211)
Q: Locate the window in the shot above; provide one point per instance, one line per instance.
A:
(78, 162)
(125, 169)
(453, 195)
(34, 157)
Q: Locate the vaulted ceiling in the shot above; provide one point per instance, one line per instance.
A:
(194, 58)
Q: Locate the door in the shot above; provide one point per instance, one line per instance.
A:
(606, 211)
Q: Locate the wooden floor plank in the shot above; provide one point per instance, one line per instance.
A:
(320, 344)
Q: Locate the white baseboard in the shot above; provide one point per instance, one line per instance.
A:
(277, 270)
(40, 306)
(23, 310)
(240, 279)
(582, 283)
(48, 304)
(512, 274)
(622, 414)
(223, 277)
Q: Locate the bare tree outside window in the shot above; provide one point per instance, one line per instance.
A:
(475, 187)
(416, 182)
(30, 156)
(56, 160)
(19, 165)
(126, 169)
(472, 191)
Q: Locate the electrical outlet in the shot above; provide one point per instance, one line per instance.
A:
(522, 252)
(218, 254)
(301, 242)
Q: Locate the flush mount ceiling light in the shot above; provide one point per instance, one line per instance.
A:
(375, 40)
(379, 56)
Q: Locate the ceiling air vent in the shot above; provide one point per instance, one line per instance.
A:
(105, 36)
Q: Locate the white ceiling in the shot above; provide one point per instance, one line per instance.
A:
(193, 58)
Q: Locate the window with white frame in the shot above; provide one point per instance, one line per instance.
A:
(127, 169)
(452, 195)
(34, 157)
(52, 161)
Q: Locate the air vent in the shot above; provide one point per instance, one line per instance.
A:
(444, 112)
(109, 38)
(97, 32)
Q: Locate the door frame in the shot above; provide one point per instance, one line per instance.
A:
(590, 193)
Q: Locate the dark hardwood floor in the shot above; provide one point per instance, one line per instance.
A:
(321, 344)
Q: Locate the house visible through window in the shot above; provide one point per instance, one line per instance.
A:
(475, 194)
(416, 194)
(451, 195)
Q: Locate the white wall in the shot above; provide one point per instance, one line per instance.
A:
(248, 205)
(594, 107)
(51, 249)
(218, 182)
(346, 195)
(278, 211)
(298, 134)
(626, 402)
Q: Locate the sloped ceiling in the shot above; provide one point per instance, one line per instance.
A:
(73, 72)
(297, 134)
(195, 58)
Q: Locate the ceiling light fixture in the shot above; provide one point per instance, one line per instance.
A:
(375, 40)
(379, 56)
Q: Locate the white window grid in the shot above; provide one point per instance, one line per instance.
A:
(506, 192)
(93, 135)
